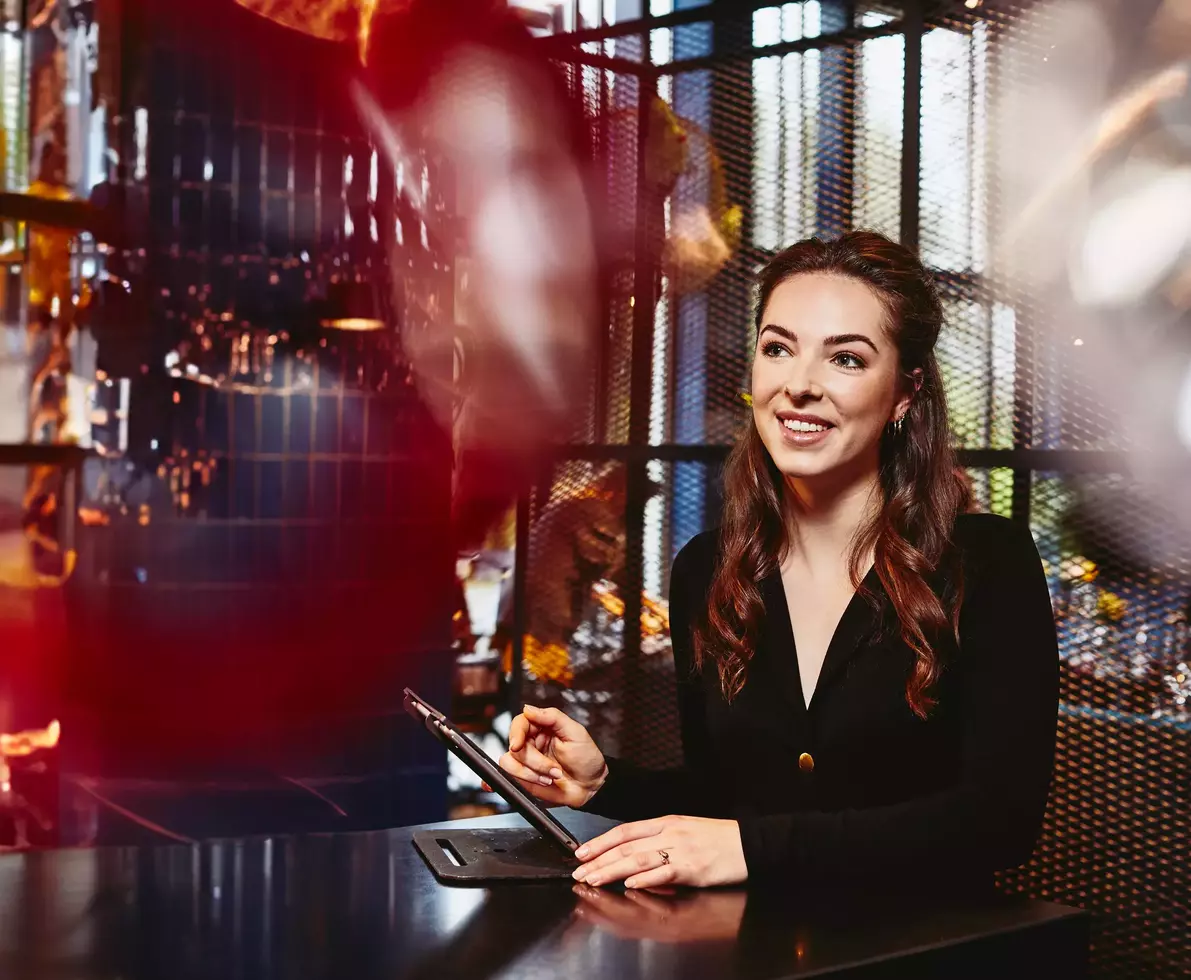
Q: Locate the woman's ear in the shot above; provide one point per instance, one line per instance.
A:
(911, 387)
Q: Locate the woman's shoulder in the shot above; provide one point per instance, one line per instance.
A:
(990, 539)
(694, 565)
(699, 552)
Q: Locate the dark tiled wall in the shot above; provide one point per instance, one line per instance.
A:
(292, 572)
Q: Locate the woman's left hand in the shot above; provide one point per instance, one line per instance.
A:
(695, 851)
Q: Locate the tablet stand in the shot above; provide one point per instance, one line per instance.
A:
(475, 856)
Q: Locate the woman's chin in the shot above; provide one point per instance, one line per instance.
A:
(803, 466)
(826, 468)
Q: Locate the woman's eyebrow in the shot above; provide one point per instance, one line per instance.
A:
(836, 340)
(840, 339)
(790, 335)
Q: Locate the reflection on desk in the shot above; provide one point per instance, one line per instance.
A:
(674, 917)
(366, 905)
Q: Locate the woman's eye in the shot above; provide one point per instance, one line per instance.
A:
(774, 349)
(847, 360)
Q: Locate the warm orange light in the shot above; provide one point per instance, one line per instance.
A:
(94, 517)
(364, 31)
(354, 323)
(27, 742)
(19, 744)
(552, 661)
(655, 617)
(332, 20)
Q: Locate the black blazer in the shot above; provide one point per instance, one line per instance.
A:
(856, 789)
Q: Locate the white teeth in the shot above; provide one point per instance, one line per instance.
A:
(794, 425)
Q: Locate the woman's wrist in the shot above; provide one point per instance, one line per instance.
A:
(598, 784)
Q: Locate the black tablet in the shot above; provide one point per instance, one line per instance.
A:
(472, 756)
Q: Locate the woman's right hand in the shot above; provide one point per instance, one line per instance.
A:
(553, 757)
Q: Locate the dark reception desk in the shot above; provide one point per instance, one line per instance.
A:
(363, 905)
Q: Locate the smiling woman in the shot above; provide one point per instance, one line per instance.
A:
(867, 677)
(840, 361)
(848, 407)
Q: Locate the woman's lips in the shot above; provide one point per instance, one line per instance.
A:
(802, 435)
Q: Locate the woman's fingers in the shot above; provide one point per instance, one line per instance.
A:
(524, 730)
(640, 868)
(518, 732)
(656, 878)
(550, 795)
(547, 792)
(543, 765)
(618, 835)
(555, 723)
(516, 768)
(627, 849)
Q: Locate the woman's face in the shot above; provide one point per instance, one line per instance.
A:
(826, 379)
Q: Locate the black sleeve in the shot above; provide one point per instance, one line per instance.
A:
(1008, 685)
(632, 792)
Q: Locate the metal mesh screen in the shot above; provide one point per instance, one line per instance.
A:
(1116, 829)
(612, 102)
(796, 114)
(574, 634)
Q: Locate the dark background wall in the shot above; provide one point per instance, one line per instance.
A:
(283, 569)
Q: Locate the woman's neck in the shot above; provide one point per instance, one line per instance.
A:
(822, 517)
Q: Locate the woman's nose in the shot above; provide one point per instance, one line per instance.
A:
(802, 383)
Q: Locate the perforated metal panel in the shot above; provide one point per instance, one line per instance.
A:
(1115, 838)
(801, 111)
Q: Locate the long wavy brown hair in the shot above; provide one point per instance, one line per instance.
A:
(910, 534)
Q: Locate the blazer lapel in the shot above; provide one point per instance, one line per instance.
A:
(781, 653)
(777, 645)
(856, 624)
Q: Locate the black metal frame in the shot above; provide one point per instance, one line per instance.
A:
(918, 17)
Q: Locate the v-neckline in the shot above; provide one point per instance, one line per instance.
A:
(782, 647)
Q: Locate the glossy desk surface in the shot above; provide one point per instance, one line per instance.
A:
(366, 905)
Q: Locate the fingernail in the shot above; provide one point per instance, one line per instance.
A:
(556, 773)
(581, 853)
(545, 780)
(577, 874)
